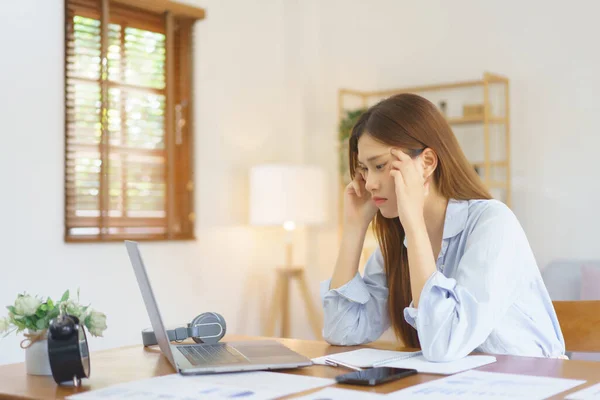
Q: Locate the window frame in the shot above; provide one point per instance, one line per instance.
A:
(178, 150)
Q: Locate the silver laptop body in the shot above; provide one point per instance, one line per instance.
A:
(192, 359)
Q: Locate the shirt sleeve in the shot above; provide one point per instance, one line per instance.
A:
(357, 312)
(455, 316)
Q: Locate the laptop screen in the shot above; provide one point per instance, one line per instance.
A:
(149, 299)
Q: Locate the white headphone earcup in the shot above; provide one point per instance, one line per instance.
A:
(212, 327)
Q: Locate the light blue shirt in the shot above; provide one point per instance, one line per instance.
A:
(486, 295)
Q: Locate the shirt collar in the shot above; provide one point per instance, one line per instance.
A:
(457, 213)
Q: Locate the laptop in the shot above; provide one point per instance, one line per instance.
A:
(198, 358)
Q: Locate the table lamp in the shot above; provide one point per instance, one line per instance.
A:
(288, 195)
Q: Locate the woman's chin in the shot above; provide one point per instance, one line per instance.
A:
(389, 214)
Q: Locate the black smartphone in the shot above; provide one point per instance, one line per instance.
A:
(374, 376)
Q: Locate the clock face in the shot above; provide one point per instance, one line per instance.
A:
(83, 351)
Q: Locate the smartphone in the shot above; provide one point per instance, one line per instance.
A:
(374, 376)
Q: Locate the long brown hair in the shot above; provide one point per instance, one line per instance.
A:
(412, 122)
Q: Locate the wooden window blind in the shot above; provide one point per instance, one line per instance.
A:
(128, 140)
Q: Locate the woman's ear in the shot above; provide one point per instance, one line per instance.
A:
(429, 162)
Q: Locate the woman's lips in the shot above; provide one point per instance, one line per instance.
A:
(379, 200)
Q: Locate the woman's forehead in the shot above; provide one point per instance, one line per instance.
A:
(368, 143)
(369, 148)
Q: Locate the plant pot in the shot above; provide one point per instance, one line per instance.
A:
(36, 358)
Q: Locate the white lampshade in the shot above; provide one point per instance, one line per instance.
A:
(281, 193)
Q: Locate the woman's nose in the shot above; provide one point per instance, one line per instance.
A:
(371, 184)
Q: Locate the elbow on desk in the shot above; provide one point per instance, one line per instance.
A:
(443, 351)
(440, 356)
(333, 340)
(337, 338)
(450, 340)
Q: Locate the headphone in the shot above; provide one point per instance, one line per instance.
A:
(207, 328)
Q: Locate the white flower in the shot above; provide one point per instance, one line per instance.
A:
(96, 323)
(26, 305)
(4, 325)
(72, 308)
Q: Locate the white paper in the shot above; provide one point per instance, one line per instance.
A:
(281, 382)
(205, 391)
(371, 357)
(590, 393)
(257, 385)
(341, 394)
(365, 358)
(446, 368)
(473, 385)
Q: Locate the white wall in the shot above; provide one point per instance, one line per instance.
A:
(241, 119)
(549, 51)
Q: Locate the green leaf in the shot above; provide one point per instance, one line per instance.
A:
(41, 324)
(348, 122)
(19, 324)
(43, 307)
(50, 303)
(65, 296)
(33, 321)
(11, 309)
(40, 313)
(29, 324)
(53, 314)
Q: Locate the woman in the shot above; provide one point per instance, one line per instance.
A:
(452, 263)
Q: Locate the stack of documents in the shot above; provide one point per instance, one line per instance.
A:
(367, 358)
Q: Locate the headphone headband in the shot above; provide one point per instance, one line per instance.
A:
(209, 328)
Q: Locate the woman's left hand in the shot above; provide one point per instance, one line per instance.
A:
(411, 188)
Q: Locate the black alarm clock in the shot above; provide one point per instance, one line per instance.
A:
(68, 350)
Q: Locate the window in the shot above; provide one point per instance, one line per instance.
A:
(128, 158)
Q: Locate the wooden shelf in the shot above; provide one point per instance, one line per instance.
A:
(497, 184)
(414, 89)
(487, 79)
(475, 120)
(492, 164)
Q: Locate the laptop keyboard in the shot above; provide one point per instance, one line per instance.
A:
(218, 353)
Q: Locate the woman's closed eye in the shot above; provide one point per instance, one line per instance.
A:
(364, 170)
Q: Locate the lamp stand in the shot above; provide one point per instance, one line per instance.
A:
(281, 297)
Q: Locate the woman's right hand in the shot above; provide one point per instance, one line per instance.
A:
(359, 209)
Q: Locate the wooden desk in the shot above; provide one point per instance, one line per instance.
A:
(126, 364)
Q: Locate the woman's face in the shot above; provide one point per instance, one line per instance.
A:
(374, 164)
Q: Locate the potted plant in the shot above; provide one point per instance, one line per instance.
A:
(31, 315)
(344, 131)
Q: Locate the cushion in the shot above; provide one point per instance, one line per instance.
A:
(590, 282)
